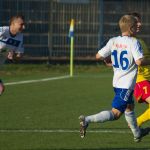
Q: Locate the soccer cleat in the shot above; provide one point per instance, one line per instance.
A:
(137, 139)
(83, 126)
(144, 132)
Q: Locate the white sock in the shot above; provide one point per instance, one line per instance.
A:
(103, 116)
(131, 120)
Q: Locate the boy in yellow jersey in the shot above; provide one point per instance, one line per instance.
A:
(142, 87)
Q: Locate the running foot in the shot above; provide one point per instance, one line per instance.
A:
(137, 139)
(83, 126)
(144, 132)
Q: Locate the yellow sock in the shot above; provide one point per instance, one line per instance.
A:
(143, 117)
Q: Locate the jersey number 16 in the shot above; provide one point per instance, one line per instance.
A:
(120, 61)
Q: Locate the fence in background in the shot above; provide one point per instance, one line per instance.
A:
(47, 24)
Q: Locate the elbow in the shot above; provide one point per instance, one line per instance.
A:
(98, 56)
(139, 62)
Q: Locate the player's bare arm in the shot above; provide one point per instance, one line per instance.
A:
(143, 62)
(99, 57)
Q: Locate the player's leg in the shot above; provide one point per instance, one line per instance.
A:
(129, 114)
(103, 116)
(100, 117)
(146, 115)
(118, 108)
(2, 87)
(143, 89)
(132, 122)
(143, 117)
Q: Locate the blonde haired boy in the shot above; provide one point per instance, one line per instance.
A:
(126, 55)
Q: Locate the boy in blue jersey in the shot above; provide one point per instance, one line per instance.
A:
(126, 55)
(11, 41)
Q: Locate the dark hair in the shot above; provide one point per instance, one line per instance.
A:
(16, 17)
(135, 14)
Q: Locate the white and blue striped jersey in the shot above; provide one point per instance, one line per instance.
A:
(9, 42)
(124, 52)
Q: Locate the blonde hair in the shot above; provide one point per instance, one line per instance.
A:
(127, 23)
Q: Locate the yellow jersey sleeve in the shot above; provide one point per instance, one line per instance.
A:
(143, 71)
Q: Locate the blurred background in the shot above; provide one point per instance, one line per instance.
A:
(48, 21)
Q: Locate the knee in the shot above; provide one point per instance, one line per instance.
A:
(130, 107)
(117, 113)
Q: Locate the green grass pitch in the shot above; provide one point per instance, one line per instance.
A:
(44, 115)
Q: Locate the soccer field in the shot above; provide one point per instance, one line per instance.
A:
(43, 115)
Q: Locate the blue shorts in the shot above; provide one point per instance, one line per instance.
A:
(122, 98)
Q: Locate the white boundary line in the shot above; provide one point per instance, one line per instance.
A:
(51, 131)
(60, 131)
(38, 80)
